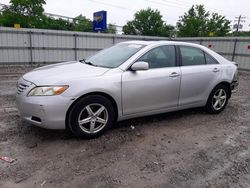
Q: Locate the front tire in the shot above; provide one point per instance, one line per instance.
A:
(91, 116)
(217, 100)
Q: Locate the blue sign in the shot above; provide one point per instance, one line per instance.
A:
(100, 21)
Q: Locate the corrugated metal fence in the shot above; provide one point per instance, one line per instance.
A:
(35, 46)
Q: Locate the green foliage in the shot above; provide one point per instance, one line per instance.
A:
(57, 24)
(111, 29)
(28, 7)
(198, 22)
(218, 25)
(28, 13)
(148, 22)
(81, 23)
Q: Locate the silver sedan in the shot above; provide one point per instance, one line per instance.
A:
(127, 80)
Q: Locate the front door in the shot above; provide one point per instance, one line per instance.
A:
(153, 89)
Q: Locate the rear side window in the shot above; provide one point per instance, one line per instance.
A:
(210, 60)
(192, 56)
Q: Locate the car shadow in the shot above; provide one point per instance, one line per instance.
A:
(159, 117)
(42, 134)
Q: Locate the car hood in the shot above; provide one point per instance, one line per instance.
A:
(62, 73)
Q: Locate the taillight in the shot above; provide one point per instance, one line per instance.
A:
(235, 78)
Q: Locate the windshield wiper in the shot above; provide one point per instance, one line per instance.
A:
(87, 62)
(82, 60)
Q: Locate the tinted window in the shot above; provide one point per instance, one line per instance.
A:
(163, 56)
(192, 56)
(210, 60)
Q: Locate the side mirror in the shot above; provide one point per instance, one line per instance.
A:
(140, 65)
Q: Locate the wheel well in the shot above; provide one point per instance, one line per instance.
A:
(88, 94)
(227, 85)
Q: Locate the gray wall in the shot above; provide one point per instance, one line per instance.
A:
(35, 46)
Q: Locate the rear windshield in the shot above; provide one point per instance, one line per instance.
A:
(114, 56)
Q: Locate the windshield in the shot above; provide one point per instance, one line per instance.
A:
(114, 56)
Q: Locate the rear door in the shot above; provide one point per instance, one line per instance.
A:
(200, 73)
(153, 89)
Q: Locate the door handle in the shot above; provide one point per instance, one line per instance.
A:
(216, 70)
(174, 74)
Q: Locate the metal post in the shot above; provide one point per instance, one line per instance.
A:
(201, 41)
(113, 39)
(30, 47)
(238, 24)
(75, 48)
(235, 44)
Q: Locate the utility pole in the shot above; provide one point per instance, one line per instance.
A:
(239, 20)
(238, 24)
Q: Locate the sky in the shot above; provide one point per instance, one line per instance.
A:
(119, 12)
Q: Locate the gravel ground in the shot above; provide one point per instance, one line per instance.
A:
(181, 149)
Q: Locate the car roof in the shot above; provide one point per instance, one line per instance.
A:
(153, 42)
(140, 42)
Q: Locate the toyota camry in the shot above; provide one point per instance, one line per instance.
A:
(130, 79)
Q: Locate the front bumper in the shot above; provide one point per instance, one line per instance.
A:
(43, 111)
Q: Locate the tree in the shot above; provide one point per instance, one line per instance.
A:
(57, 24)
(148, 22)
(81, 23)
(167, 30)
(218, 25)
(111, 28)
(28, 13)
(198, 22)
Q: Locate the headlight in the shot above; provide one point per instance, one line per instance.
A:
(47, 90)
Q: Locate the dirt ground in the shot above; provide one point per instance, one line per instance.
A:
(182, 149)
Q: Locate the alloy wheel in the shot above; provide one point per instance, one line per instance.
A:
(219, 99)
(93, 118)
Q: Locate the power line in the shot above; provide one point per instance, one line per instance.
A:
(112, 5)
(182, 3)
(165, 4)
(232, 13)
(120, 7)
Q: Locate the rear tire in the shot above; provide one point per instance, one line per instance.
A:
(218, 99)
(91, 116)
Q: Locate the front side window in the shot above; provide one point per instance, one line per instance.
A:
(192, 56)
(159, 57)
(114, 56)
